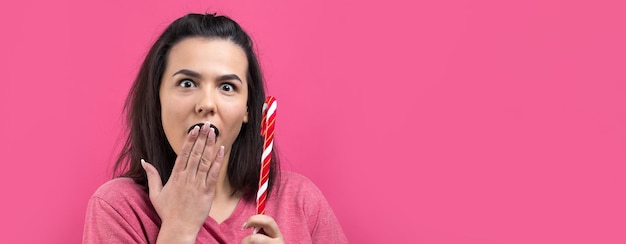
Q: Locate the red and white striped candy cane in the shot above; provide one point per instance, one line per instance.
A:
(267, 131)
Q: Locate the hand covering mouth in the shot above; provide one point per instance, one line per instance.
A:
(217, 132)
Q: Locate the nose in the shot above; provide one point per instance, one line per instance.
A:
(206, 103)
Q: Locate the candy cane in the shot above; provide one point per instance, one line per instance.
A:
(267, 131)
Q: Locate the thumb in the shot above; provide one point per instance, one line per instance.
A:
(154, 179)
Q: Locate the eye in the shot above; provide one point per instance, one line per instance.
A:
(186, 83)
(227, 87)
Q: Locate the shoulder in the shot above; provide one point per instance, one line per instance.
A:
(298, 191)
(292, 182)
(289, 176)
(120, 212)
(119, 187)
(298, 200)
(120, 192)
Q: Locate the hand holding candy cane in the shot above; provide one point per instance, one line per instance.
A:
(271, 232)
(265, 224)
(267, 131)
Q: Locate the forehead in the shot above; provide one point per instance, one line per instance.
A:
(211, 57)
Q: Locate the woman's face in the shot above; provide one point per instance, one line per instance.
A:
(204, 81)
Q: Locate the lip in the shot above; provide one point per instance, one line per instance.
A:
(217, 132)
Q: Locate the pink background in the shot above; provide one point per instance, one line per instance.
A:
(422, 122)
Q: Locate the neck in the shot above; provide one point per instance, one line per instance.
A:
(224, 202)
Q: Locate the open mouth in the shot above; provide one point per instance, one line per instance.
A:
(217, 132)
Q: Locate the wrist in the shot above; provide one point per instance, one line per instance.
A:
(172, 232)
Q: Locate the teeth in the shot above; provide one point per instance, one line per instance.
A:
(217, 132)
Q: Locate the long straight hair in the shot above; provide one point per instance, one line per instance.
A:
(145, 135)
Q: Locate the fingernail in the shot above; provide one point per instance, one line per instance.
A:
(143, 164)
(221, 151)
(194, 130)
(245, 225)
(212, 135)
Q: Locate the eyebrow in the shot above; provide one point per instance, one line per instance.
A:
(198, 75)
(229, 77)
(188, 73)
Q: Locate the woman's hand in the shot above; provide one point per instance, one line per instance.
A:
(269, 226)
(183, 204)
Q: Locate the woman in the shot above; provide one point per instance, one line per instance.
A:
(194, 115)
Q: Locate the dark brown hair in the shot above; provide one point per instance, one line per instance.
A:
(146, 138)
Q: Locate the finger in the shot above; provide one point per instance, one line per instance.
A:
(154, 179)
(207, 155)
(211, 177)
(265, 222)
(256, 238)
(197, 150)
(181, 160)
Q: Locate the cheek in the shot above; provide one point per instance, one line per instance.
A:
(170, 120)
(233, 133)
(235, 121)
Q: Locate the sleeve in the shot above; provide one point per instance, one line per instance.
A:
(105, 224)
(324, 225)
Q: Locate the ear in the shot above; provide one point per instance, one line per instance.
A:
(245, 116)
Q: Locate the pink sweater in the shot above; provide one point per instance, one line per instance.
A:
(120, 212)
